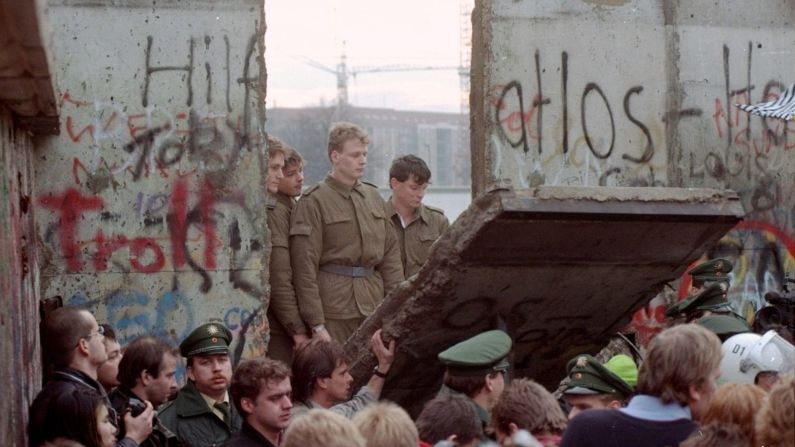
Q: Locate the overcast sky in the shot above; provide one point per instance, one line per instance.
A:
(376, 33)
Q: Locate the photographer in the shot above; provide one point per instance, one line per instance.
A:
(146, 373)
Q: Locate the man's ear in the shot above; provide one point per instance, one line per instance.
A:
(247, 405)
(489, 383)
(189, 372)
(334, 156)
(321, 383)
(616, 404)
(82, 347)
(145, 378)
(694, 393)
(512, 428)
(392, 182)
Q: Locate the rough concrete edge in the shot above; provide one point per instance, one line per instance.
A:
(624, 194)
(478, 95)
(164, 4)
(403, 303)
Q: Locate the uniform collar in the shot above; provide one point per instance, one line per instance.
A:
(190, 402)
(285, 200)
(253, 434)
(422, 212)
(648, 407)
(342, 188)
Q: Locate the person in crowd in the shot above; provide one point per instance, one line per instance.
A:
(72, 342)
(147, 373)
(261, 392)
(386, 425)
(775, 423)
(717, 435)
(201, 415)
(451, 418)
(476, 368)
(737, 404)
(108, 371)
(416, 225)
(321, 378)
(526, 405)
(675, 384)
(711, 309)
(594, 385)
(323, 428)
(343, 251)
(288, 331)
(84, 417)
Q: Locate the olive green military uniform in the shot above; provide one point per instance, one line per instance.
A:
(416, 238)
(344, 255)
(283, 315)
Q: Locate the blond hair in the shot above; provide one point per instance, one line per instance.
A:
(341, 132)
(531, 407)
(775, 423)
(678, 357)
(738, 404)
(322, 428)
(276, 146)
(386, 425)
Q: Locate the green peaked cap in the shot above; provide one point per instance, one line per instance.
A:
(713, 270)
(210, 338)
(587, 376)
(482, 354)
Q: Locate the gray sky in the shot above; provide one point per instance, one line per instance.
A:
(376, 33)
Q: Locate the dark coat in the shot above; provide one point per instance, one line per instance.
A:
(248, 436)
(160, 437)
(64, 381)
(194, 423)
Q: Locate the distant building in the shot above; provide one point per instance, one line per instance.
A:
(441, 139)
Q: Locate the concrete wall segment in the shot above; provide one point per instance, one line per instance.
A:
(642, 93)
(152, 204)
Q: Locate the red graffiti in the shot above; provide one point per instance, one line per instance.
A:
(145, 253)
(70, 206)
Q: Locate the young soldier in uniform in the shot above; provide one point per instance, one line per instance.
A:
(417, 226)
(287, 328)
(594, 385)
(476, 368)
(201, 414)
(260, 391)
(343, 250)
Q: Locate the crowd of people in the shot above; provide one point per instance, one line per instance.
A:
(705, 381)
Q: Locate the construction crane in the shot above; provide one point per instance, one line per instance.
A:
(343, 73)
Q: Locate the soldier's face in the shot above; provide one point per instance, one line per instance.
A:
(348, 163)
(275, 165)
(408, 193)
(580, 403)
(211, 373)
(293, 182)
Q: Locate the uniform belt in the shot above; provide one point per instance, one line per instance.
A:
(347, 270)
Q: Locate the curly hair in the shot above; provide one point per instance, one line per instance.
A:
(341, 132)
(737, 404)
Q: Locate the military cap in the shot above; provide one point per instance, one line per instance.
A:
(724, 326)
(712, 270)
(210, 338)
(480, 355)
(711, 298)
(588, 376)
(675, 309)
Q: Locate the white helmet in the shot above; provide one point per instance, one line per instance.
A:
(748, 354)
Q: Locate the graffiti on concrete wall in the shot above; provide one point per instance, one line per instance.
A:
(153, 216)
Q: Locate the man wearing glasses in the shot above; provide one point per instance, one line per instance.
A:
(73, 346)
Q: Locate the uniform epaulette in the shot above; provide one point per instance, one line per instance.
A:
(166, 405)
(370, 184)
(271, 203)
(311, 188)
(433, 208)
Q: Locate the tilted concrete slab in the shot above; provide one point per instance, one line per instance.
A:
(560, 269)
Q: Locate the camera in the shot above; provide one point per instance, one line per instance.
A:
(136, 406)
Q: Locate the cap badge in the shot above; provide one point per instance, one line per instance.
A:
(582, 361)
(212, 330)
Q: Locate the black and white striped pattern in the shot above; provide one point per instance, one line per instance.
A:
(782, 108)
